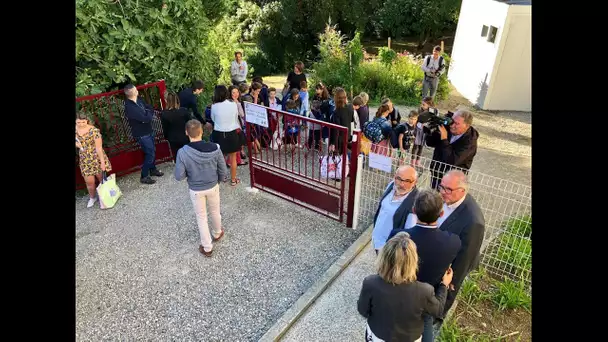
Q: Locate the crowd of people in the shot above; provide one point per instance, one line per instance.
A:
(427, 240)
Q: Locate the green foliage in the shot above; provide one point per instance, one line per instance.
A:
(387, 55)
(247, 15)
(140, 42)
(470, 291)
(451, 332)
(511, 295)
(400, 79)
(513, 248)
(424, 18)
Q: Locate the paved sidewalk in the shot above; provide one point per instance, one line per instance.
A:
(139, 275)
(334, 316)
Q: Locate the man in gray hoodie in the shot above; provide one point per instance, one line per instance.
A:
(203, 165)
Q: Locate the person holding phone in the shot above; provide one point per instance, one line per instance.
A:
(437, 249)
(393, 301)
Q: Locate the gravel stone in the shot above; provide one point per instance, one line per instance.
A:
(139, 274)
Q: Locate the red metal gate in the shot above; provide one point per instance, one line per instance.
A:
(106, 110)
(291, 166)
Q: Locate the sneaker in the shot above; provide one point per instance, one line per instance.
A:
(203, 252)
(156, 173)
(91, 202)
(147, 180)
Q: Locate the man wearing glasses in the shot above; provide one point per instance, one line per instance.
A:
(463, 217)
(454, 148)
(395, 206)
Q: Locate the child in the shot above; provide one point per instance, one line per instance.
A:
(362, 111)
(203, 166)
(264, 96)
(405, 133)
(274, 129)
(315, 130)
(427, 105)
(305, 108)
(291, 124)
(379, 131)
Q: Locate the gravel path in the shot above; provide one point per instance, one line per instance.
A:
(140, 276)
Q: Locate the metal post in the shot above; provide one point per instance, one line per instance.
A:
(354, 157)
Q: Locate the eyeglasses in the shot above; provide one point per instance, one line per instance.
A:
(404, 180)
(448, 190)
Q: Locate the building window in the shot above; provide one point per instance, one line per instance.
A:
(484, 31)
(492, 34)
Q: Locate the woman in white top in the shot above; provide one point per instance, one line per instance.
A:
(226, 129)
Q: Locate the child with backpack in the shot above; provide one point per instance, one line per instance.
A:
(315, 129)
(405, 133)
(291, 124)
(420, 137)
(379, 131)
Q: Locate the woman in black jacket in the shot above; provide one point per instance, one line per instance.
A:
(173, 120)
(393, 301)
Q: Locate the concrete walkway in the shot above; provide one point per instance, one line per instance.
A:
(334, 316)
(139, 275)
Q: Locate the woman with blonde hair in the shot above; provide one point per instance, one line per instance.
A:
(91, 157)
(393, 301)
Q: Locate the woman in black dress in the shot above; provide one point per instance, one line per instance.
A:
(173, 120)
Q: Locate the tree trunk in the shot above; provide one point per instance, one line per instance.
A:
(424, 37)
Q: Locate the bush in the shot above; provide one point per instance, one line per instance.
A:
(396, 76)
(141, 42)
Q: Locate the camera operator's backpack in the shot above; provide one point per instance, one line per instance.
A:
(373, 131)
(428, 60)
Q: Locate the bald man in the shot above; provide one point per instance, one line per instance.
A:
(395, 205)
(463, 217)
(454, 148)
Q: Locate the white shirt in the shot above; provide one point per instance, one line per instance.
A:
(449, 209)
(225, 116)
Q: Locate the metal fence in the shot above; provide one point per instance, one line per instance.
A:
(506, 206)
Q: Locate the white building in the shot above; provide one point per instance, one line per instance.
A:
(491, 59)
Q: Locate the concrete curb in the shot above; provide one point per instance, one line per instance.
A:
(297, 310)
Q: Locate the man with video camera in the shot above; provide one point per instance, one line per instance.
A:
(454, 140)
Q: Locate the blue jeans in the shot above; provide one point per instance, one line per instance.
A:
(427, 333)
(147, 146)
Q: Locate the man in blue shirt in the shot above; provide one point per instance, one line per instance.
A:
(188, 99)
(395, 205)
(140, 115)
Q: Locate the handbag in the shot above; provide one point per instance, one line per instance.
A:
(331, 166)
(107, 191)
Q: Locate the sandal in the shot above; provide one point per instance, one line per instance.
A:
(234, 182)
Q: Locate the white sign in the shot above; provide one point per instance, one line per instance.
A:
(256, 114)
(380, 162)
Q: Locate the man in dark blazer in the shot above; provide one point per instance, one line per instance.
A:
(436, 248)
(454, 148)
(463, 217)
(395, 205)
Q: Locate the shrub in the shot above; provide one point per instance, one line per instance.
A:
(387, 55)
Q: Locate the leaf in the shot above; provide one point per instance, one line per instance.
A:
(125, 24)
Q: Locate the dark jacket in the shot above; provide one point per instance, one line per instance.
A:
(404, 209)
(468, 223)
(395, 116)
(188, 100)
(363, 112)
(436, 251)
(394, 312)
(294, 80)
(342, 117)
(174, 125)
(459, 154)
(264, 95)
(139, 115)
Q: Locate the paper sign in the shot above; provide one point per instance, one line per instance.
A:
(380, 162)
(256, 114)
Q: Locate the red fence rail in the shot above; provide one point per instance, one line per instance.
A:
(298, 167)
(106, 110)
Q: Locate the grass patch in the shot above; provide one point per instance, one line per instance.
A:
(511, 251)
(509, 294)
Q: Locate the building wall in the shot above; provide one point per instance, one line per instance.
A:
(510, 88)
(473, 56)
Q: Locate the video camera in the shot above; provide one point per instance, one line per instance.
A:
(433, 119)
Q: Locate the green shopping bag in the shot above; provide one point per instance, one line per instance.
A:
(108, 191)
